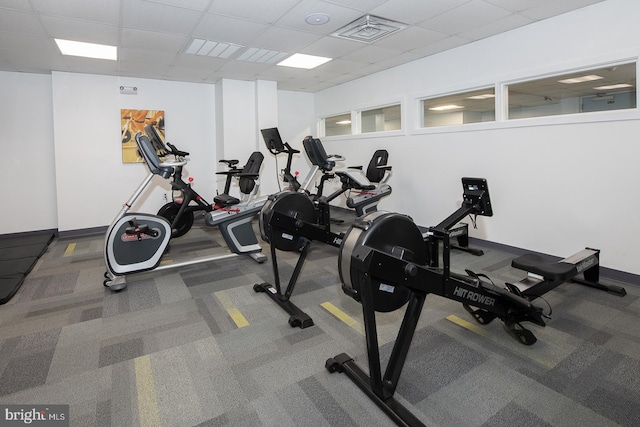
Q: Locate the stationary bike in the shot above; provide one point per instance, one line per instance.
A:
(136, 242)
(186, 201)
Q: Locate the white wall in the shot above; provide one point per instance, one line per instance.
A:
(29, 187)
(556, 187)
(62, 133)
(92, 183)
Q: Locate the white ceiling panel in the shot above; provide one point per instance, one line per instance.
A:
(231, 30)
(468, 16)
(410, 38)
(98, 11)
(414, 11)
(199, 5)
(332, 47)
(14, 21)
(285, 40)
(147, 56)
(496, 27)
(152, 35)
(554, 8)
(141, 39)
(155, 17)
(440, 46)
(364, 6)
(371, 54)
(519, 5)
(340, 16)
(25, 44)
(267, 12)
(73, 29)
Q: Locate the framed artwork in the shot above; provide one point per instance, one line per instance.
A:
(134, 121)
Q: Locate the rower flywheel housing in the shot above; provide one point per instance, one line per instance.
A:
(392, 233)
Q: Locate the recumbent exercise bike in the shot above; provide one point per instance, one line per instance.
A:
(136, 242)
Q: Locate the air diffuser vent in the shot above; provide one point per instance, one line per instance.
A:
(213, 49)
(369, 28)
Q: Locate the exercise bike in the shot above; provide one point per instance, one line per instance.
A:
(366, 189)
(136, 242)
(186, 201)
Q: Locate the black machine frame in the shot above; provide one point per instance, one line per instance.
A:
(369, 272)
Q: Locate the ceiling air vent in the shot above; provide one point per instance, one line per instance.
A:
(369, 28)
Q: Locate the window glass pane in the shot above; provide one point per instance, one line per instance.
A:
(606, 88)
(461, 108)
(337, 125)
(381, 119)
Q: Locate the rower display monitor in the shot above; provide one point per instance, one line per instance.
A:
(273, 140)
(476, 193)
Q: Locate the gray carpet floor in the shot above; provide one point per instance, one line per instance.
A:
(197, 346)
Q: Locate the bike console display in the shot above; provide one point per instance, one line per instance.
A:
(273, 140)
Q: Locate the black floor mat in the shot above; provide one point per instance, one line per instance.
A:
(18, 256)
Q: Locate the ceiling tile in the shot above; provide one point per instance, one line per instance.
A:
(146, 16)
(91, 65)
(141, 39)
(263, 11)
(284, 40)
(191, 74)
(16, 4)
(364, 6)
(199, 61)
(27, 43)
(497, 27)
(473, 14)
(98, 11)
(86, 31)
(231, 30)
(339, 17)
(413, 11)
(440, 46)
(332, 47)
(199, 5)
(20, 22)
(393, 61)
(518, 5)
(143, 67)
(147, 56)
(26, 61)
(370, 54)
(410, 38)
(556, 8)
(341, 66)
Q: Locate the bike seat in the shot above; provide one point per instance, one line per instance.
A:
(550, 270)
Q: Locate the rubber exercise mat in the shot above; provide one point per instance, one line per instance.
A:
(18, 256)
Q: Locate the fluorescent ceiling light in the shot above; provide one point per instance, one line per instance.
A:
(582, 79)
(344, 122)
(484, 96)
(87, 50)
(610, 87)
(300, 60)
(445, 107)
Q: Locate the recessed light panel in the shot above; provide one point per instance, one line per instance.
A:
(589, 78)
(300, 60)
(87, 50)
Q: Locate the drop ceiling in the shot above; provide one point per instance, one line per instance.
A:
(153, 36)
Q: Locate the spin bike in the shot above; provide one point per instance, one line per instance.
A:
(136, 242)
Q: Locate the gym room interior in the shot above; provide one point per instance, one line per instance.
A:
(530, 101)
